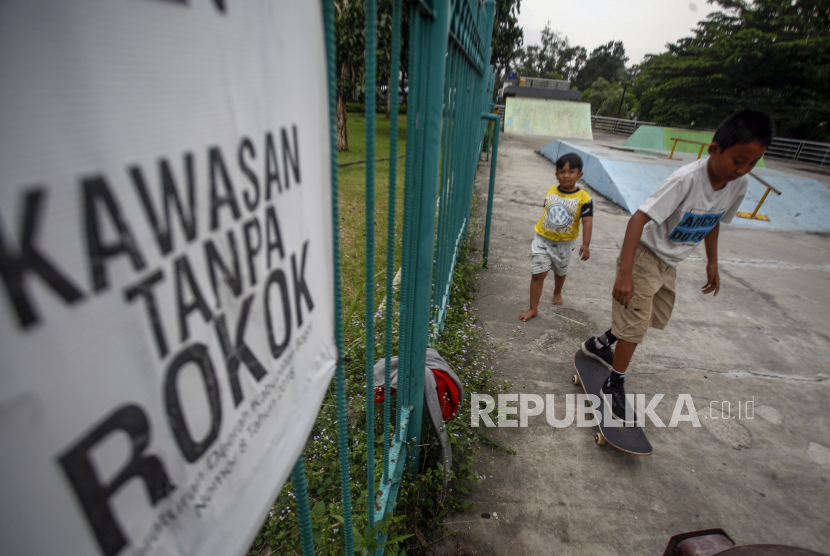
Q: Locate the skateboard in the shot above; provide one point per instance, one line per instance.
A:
(590, 374)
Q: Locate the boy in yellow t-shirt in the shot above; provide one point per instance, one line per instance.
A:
(566, 205)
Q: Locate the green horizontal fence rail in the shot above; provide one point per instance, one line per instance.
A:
(448, 109)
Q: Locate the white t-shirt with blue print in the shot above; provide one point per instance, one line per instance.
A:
(685, 208)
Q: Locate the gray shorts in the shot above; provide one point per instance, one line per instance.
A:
(545, 254)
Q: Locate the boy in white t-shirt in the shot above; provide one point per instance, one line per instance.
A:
(685, 210)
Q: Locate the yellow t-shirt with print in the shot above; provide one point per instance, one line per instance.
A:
(563, 213)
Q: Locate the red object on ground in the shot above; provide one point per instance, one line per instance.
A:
(447, 394)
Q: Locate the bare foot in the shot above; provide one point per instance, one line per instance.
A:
(557, 299)
(527, 315)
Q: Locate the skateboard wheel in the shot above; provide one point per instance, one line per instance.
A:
(599, 438)
(575, 380)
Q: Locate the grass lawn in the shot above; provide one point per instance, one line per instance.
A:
(352, 204)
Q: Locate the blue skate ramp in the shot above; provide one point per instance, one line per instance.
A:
(627, 178)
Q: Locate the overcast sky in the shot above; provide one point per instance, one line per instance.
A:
(644, 26)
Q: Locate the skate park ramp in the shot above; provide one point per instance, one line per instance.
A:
(627, 176)
(553, 118)
(655, 138)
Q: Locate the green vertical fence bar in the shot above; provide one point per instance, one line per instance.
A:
(413, 160)
(448, 156)
(339, 372)
(472, 81)
(426, 118)
(450, 102)
(298, 478)
(370, 12)
(495, 141)
(390, 227)
(487, 119)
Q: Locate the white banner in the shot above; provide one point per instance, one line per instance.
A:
(166, 319)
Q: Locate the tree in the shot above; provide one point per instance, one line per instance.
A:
(528, 62)
(619, 104)
(609, 99)
(554, 59)
(349, 32)
(385, 49)
(598, 93)
(606, 61)
(351, 49)
(772, 55)
(507, 35)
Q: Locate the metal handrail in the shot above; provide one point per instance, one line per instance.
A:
(754, 214)
(677, 139)
(617, 125)
(797, 150)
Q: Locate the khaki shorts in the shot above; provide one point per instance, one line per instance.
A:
(653, 299)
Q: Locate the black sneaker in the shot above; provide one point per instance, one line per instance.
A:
(615, 395)
(604, 355)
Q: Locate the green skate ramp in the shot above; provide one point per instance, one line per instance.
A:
(655, 138)
(552, 118)
(660, 138)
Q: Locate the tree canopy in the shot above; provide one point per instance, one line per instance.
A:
(606, 61)
(607, 99)
(554, 59)
(507, 35)
(351, 50)
(772, 55)
(349, 36)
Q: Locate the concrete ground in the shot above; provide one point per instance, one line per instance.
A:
(763, 477)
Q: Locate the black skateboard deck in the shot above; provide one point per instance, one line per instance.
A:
(590, 374)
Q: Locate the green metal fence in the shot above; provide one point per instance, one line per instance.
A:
(467, 78)
(450, 87)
